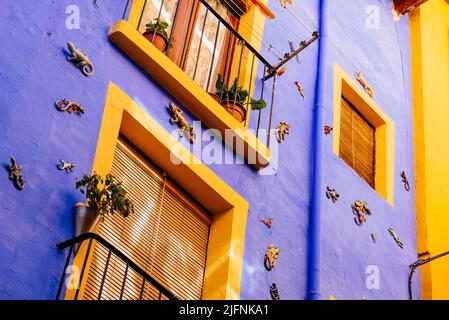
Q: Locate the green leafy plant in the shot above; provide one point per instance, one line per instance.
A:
(233, 93)
(236, 93)
(258, 104)
(158, 26)
(105, 196)
(161, 27)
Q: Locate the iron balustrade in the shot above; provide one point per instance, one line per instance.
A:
(232, 59)
(112, 251)
(232, 55)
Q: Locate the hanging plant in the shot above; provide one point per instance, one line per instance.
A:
(104, 197)
(108, 199)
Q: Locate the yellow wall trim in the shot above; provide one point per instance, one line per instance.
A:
(430, 71)
(345, 85)
(190, 94)
(229, 210)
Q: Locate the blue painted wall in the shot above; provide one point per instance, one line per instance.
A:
(34, 74)
(384, 56)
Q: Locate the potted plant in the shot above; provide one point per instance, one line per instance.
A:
(104, 197)
(156, 33)
(233, 98)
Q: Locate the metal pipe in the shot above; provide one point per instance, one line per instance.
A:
(261, 96)
(213, 56)
(141, 14)
(271, 111)
(105, 272)
(124, 282)
(83, 269)
(289, 56)
(172, 27)
(417, 264)
(313, 283)
(201, 42)
(61, 282)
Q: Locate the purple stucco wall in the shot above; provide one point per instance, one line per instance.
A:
(34, 74)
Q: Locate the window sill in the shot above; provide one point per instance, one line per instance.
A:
(191, 95)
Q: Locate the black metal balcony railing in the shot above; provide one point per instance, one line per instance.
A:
(224, 57)
(147, 283)
(233, 58)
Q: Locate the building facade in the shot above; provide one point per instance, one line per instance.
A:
(430, 52)
(320, 173)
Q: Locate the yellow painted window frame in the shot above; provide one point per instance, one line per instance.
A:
(229, 210)
(345, 85)
(191, 95)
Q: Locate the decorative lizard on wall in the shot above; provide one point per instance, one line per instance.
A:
(332, 194)
(67, 166)
(360, 209)
(368, 89)
(405, 181)
(300, 89)
(274, 292)
(69, 106)
(285, 3)
(15, 174)
(271, 257)
(267, 222)
(80, 59)
(181, 121)
(282, 129)
(328, 130)
(396, 238)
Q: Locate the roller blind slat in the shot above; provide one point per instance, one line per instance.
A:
(357, 142)
(165, 237)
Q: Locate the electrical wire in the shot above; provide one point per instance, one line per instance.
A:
(300, 18)
(255, 28)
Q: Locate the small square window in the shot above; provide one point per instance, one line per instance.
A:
(363, 134)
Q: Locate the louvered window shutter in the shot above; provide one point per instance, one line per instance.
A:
(357, 142)
(167, 236)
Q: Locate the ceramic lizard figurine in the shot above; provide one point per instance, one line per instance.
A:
(181, 121)
(15, 174)
(67, 166)
(274, 292)
(368, 89)
(271, 257)
(282, 129)
(69, 106)
(300, 89)
(396, 238)
(80, 59)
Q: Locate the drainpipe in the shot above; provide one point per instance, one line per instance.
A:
(313, 285)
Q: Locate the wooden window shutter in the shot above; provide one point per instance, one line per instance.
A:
(167, 236)
(357, 142)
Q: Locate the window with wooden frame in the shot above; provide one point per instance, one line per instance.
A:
(167, 236)
(198, 44)
(364, 135)
(357, 142)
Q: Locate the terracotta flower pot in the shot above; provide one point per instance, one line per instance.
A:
(237, 109)
(85, 220)
(158, 39)
(215, 96)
